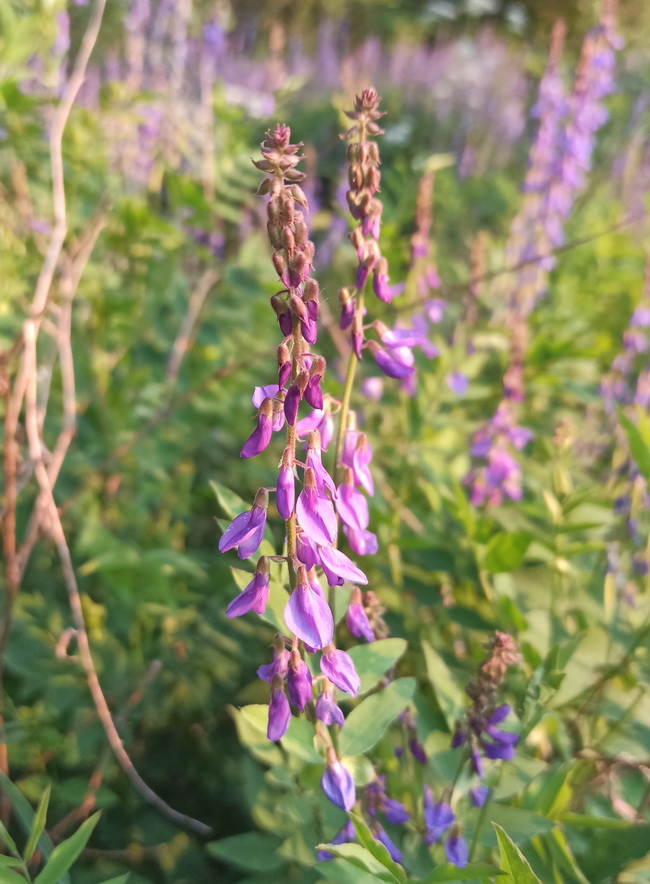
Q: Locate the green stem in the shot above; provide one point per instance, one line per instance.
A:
(343, 413)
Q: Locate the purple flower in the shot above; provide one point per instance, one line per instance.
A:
(373, 388)
(279, 711)
(315, 462)
(338, 567)
(357, 619)
(256, 594)
(363, 543)
(380, 835)
(307, 614)
(326, 709)
(456, 851)
(479, 795)
(280, 663)
(351, 505)
(306, 550)
(396, 363)
(315, 514)
(337, 783)
(273, 392)
(261, 435)
(285, 492)
(299, 681)
(417, 750)
(395, 812)
(345, 836)
(339, 668)
(247, 529)
(457, 383)
(438, 817)
(357, 454)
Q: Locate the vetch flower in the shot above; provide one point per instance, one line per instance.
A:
(357, 619)
(326, 709)
(247, 529)
(299, 681)
(396, 363)
(279, 711)
(339, 668)
(380, 835)
(338, 567)
(438, 817)
(285, 490)
(307, 614)
(337, 783)
(456, 851)
(256, 594)
(315, 514)
(479, 795)
(261, 435)
(346, 836)
(279, 664)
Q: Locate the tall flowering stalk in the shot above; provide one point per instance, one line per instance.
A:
(309, 508)
(560, 157)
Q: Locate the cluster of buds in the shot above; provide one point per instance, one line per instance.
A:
(497, 473)
(478, 730)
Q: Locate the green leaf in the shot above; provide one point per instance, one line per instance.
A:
(253, 851)
(506, 551)
(38, 825)
(522, 824)
(8, 841)
(25, 814)
(513, 861)
(251, 722)
(361, 858)
(66, 853)
(231, 504)
(593, 822)
(371, 661)
(376, 848)
(8, 876)
(638, 447)
(449, 694)
(476, 872)
(121, 879)
(366, 724)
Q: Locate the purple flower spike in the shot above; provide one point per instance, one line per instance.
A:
(285, 493)
(256, 594)
(358, 623)
(315, 514)
(338, 567)
(279, 711)
(261, 435)
(299, 681)
(307, 614)
(326, 709)
(339, 668)
(380, 835)
(337, 783)
(456, 851)
(247, 529)
(396, 363)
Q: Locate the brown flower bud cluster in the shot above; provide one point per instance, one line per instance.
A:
(293, 250)
(363, 185)
(502, 652)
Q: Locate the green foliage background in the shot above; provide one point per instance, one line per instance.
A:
(139, 509)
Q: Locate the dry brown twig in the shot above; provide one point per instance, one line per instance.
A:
(23, 395)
